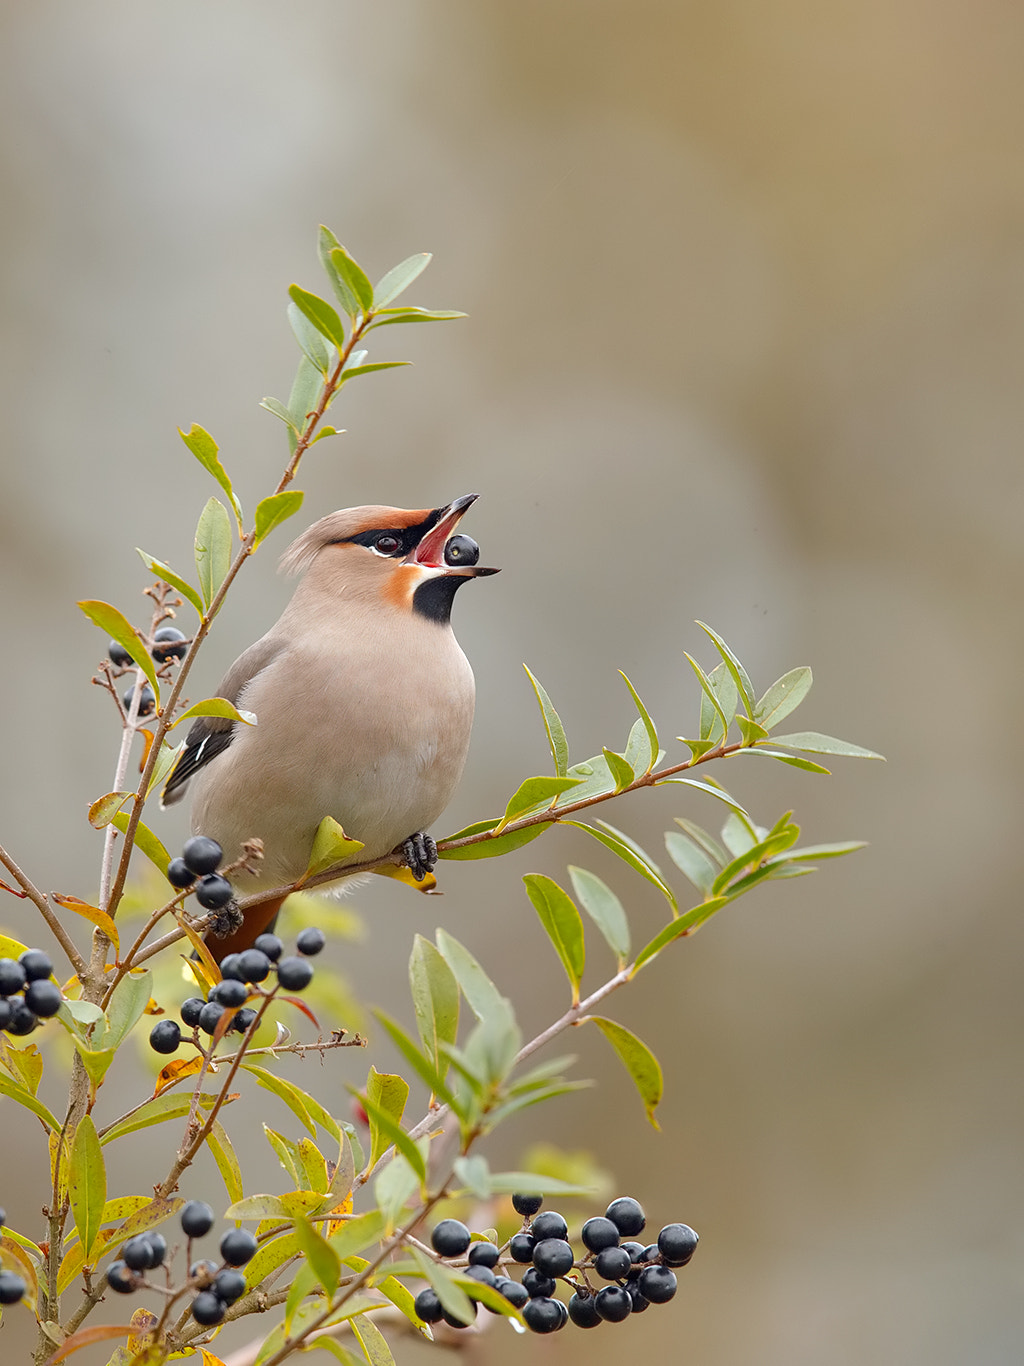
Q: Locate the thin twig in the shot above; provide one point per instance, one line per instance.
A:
(39, 900)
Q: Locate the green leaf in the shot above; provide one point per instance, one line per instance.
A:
(354, 278)
(104, 809)
(116, 624)
(24, 1064)
(290, 1206)
(649, 726)
(323, 317)
(286, 1091)
(491, 848)
(371, 1339)
(622, 773)
(340, 1185)
(145, 840)
(816, 851)
(287, 1154)
(127, 1004)
(698, 748)
(638, 749)
(750, 731)
(396, 1185)
(483, 997)
(306, 390)
(784, 696)
(399, 278)
(275, 406)
(322, 1258)
(639, 862)
(597, 779)
(309, 338)
(402, 1298)
(165, 761)
(475, 1174)
(640, 1062)
(712, 788)
(701, 837)
(167, 575)
(272, 511)
(553, 726)
(354, 371)
(157, 1111)
(386, 1094)
(435, 998)
(422, 1065)
(271, 1254)
(686, 924)
(690, 859)
(714, 717)
(388, 316)
(313, 1167)
(205, 450)
(452, 1297)
(534, 792)
(13, 1091)
(227, 1163)
(739, 673)
(604, 908)
(793, 760)
(815, 743)
(213, 548)
(326, 242)
(757, 854)
(740, 833)
(331, 846)
(561, 921)
(87, 1183)
(216, 706)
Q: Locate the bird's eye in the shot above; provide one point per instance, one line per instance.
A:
(387, 545)
(461, 550)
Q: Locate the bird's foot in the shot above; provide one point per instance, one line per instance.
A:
(226, 920)
(420, 854)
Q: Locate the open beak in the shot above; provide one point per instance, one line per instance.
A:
(430, 551)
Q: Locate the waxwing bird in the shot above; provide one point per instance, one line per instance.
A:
(363, 698)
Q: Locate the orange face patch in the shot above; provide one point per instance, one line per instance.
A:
(399, 586)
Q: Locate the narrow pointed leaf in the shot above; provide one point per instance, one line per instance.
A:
(85, 1337)
(286, 1091)
(322, 1258)
(435, 998)
(815, 743)
(310, 338)
(649, 726)
(331, 846)
(604, 908)
(116, 624)
(275, 406)
(622, 773)
(640, 1063)
(323, 317)
(794, 760)
(552, 725)
(272, 511)
(90, 913)
(697, 748)
(205, 449)
(354, 277)
(167, 575)
(421, 1064)
(213, 548)
(701, 837)
(305, 394)
(389, 316)
(399, 278)
(87, 1182)
(784, 696)
(326, 243)
(145, 840)
(385, 1131)
(156, 1111)
(714, 719)
(492, 847)
(532, 793)
(216, 706)
(757, 854)
(452, 1297)
(483, 997)
(686, 924)
(750, 731)
(287, 1154)
(13, 1091)
(816, 851)
(561, 921)
(372, 1341)
(354, 371)
(739, 673)
(313, 1166)
(386, 1094)
(739, 833)
(273, 1206)
(690, 859)
(641, 865)
(712, 789)
(223, 1152)
(165, 761)
(638, 749)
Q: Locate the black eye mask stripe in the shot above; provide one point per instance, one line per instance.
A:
(408, 537)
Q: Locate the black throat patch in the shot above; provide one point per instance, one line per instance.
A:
(433, 598)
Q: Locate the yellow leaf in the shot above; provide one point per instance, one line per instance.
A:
(93, 913)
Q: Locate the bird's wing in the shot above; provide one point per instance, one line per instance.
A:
(211, 735)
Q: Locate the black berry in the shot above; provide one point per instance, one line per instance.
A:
(461, 550)
(203, 1272)
(483, 1254)
(43, 998)
(636, 1295)
(191, 1011)
(37, 965)
(147, 700)
(207, 1309)
(230, 993)
(119, 1278)
(311, 941)
(543, 1315)
(270, 945)
(635, 1251)
(137, 1253)
(657, 1284)
(179, 874)
(238, 1246)
(119, 655)
(209, 1015)
(612, 1263)
(12, 977)
(514, 1292)
(537, 1284)
(480, 1273)
(583, 1312)
(229, 1286)
(12, 1287)
(243, 1020)
(428, 1306)
(599, 1233)
(5, 1012)
(254, 965)
(527, 1204)
(230, 968)
(158, 1249)
(627, 1215)
(549, 1225)
(214, 892)
(169, 643)
(202, 855)
(677, 1244)
(452, 1321)
(520, 1248)
(613, 1303)
(553, 1256)
(3, 1217)
(165, 1036)
(22, 1020)
(196, 1219)
(449, 1238)
(294, 974)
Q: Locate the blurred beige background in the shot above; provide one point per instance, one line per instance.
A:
(746, 286)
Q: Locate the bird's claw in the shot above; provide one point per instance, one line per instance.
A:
(226, 920)
(420, 854)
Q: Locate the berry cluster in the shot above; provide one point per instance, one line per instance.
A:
(12, 1287)
(240, 972)
(26, 993)
(168, 644)
(217, 1286)
(197, 869)
(638, 1275)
